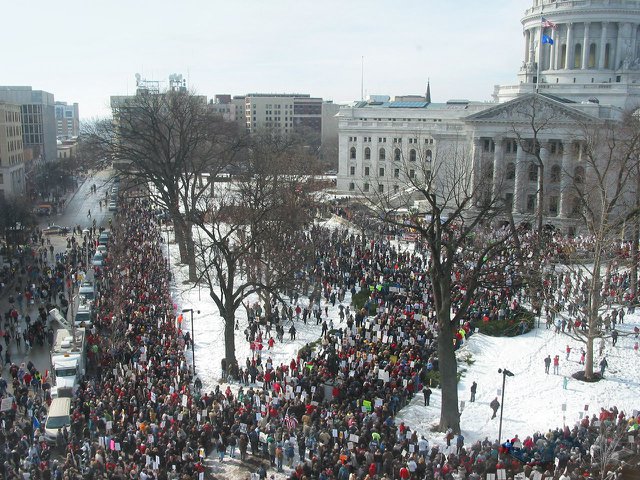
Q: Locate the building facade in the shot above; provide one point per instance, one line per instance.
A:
(383, 141)
(67, 120)
(12, 175)
(38, 120)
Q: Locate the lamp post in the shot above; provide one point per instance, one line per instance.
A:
(505, 373)
(193, 343)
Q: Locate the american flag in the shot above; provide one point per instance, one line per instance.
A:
(290, 421)
(548, 24)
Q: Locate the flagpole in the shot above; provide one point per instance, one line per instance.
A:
(539, 55)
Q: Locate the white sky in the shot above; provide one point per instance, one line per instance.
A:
(86, 51)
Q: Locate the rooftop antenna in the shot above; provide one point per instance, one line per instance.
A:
(362, 78)
(428, 95)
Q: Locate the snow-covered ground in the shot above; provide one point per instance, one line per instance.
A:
(533, 401)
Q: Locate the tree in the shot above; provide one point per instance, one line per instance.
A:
(604, 195)
(164, 143)
(451, 207)
(253, 236)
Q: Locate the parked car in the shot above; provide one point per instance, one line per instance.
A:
(113, 206)
(97, 260)
(55, 230)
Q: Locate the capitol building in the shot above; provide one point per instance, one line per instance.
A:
(581, 65)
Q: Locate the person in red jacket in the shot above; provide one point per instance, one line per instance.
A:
(404, 473)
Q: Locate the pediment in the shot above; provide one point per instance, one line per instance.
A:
(521, 111)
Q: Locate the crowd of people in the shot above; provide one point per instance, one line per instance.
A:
(330, 413)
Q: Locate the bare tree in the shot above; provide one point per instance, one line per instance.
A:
(451, 207)
(164, 143)
(604, 195)
(253, 231)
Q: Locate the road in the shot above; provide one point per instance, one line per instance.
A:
(75, 213)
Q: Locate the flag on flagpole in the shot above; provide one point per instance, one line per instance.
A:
(547, 39)
(548, 24)
(290, 421)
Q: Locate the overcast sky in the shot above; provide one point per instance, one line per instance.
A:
(84, 51)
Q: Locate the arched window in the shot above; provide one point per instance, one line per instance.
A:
(578, 175)
(396, 154)
(352, 153)
(607, 55)
(382, 155)
(577, 56)
(511, 171)
(367, 153)
(592, 55)
(563, 56)
(412, 155)
(428, 155)
(533, 172)
(555, 174)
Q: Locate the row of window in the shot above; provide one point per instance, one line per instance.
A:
(397, 154)
(366, 187)
(400, 119)
(427, 141)
(511, 146)
(554, 173)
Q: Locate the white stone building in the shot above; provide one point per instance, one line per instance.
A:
(379, 139)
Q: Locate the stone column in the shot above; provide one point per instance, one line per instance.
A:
(603, 46)
(585, 47)
(619, 47)
(566, 173)
(476, 172)
(519, 184)
(558, 46)
(553, 49)
(527, 36)
(498, 168)
(569, 60)
(544, 156)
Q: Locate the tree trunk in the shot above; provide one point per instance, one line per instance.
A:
(633, 273)
(447, 363)
(540, 206)
(594, 304)
(190, 252)
(229, 335)
(179, 232)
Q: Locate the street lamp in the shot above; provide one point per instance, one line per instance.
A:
(193, 343)
(505, 373)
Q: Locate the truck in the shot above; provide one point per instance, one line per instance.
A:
(68, 360)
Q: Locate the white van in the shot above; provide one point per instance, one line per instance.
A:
(59, 417)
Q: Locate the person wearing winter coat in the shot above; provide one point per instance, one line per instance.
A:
(603, 365)
(495, 405)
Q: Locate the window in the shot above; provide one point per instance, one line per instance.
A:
(553, 205)
(508, 200)
(533, 172)
(382, 139)
(531, 203)
(563, 56)
(381, 172)
(555, 174)
(352, 170)
(365, 187)
(607, 55)
(412, 155)
(412, 173)
(381, 188)
(488, 145)
(382, 154)
(428, 155)
(352, 186)
(396, 155)
(592, 55)
(352, 153)
(367, 153)
(577, 59)
(511, 171)
(396, 173)
(366, 171)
